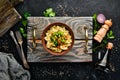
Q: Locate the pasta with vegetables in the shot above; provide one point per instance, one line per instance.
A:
(58, 38)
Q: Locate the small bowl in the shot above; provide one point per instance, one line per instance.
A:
(44, 41)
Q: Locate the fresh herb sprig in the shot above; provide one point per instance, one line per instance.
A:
(49, 12)
(23, 28)
(109, 35)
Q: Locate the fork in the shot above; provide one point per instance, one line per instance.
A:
(18, 48)
(20, 41)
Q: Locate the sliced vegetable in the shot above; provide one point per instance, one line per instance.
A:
(101, 18)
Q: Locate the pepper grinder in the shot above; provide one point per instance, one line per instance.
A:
(103, 30)
(104, 60)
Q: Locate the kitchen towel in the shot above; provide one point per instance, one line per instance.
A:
(10, 69)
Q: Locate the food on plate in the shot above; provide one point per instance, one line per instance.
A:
(58, 38)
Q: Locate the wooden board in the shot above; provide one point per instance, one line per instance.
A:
(15, 2)
(8, 16)
(77, 53)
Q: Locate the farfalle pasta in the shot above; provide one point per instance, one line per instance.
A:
(58, 38)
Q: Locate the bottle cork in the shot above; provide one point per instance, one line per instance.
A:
(109, 45)
(102, 31)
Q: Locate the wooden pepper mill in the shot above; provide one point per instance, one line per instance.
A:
(103, 30)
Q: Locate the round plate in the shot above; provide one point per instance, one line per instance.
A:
(44, 42)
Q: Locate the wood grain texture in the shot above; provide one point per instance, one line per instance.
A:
(76, 54)
(8, 16)
(15, 2)
(76, 24)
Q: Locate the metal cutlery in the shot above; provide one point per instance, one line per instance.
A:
(20, 41)
(13, 37)
(18, 48)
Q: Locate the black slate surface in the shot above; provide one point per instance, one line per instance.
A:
(71, 71)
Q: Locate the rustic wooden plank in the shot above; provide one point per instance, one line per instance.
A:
(15, 2)
(8, 16)
(75, 23)
(76, 54)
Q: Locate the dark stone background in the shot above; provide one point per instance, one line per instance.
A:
(70, 71)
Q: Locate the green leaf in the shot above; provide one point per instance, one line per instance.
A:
(26, 14)
(111, 37)
(45, 14)
(108, 35)
(95, 32)
(105, 41)
(49, 10)
(25, 35)
(52, 14)
(24, 22)
(49, 13)
(94, 17)
(22, 30)
(111, 32)
(96, 25)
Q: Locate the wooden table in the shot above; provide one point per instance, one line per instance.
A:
(72, 8)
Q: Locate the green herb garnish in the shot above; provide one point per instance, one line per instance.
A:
(49, 13)
(57, 38)
(23, 28)
(110, 35)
